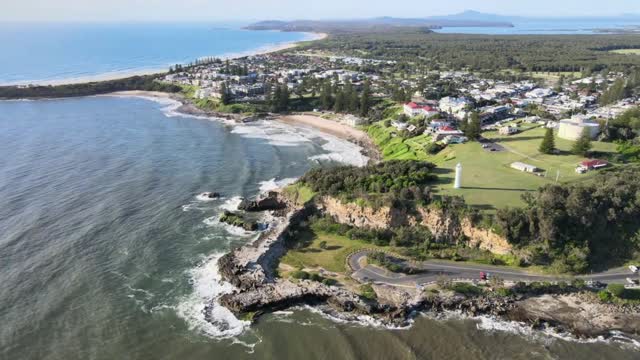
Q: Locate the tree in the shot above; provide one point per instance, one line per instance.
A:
(548, 144)
(275, 98)
(283, 101)
(473, 127)
(365, 99)
(225, 96)
(583, 144)
(339, 105)
(326, 99)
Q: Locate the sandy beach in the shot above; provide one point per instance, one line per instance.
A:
(115, 75)
(336, 129)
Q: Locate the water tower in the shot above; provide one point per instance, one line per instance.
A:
(458, 182)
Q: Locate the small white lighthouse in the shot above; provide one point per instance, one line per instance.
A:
(458, 182)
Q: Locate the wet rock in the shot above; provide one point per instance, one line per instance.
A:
(269, 202)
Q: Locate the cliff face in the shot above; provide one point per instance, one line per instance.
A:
(364, 217)
(444, 227)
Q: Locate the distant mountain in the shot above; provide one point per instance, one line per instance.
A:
(376, 23)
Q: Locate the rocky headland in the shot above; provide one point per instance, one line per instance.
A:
(252, 269)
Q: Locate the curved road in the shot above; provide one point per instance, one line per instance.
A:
(432, 269)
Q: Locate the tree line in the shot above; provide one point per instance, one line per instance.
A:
(142, 83)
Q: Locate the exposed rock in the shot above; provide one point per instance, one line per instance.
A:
(579, 314)
(271, 201)
(239, 221)
(363, 217)
(444, 227)
(485, 239)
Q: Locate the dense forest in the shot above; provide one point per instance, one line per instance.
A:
(145, 83)
(487, 52)
(579, 226)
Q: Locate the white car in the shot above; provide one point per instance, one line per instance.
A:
(633, 268)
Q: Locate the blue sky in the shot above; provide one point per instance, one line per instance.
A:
(153, 10)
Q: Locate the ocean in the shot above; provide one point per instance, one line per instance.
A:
(45, 53)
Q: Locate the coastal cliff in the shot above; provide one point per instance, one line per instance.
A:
(446, 228)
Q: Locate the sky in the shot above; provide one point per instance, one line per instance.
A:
(209, 10)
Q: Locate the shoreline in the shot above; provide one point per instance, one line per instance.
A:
(252, 270)
(123, 74)
(329, 127)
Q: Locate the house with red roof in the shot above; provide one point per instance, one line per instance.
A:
(592, 164)
(412, 109)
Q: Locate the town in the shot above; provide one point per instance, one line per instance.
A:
(413, 112)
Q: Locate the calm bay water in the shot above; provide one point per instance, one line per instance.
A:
(49, 52)
(107, 253)
(550, 26)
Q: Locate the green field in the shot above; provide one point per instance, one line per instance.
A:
(488, 180)
(627, 51)
(332, 258)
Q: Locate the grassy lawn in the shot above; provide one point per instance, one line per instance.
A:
(626, 51)
(489, 182)
(299, 193)
(332, 258)
(395, 147)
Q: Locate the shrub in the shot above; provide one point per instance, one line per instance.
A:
(329, 282)
(604, 296)
(367, 292)
(315, 277)
(616, 290)
(323, 245)
(299, 274)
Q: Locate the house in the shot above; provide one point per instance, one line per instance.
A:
(452, 139)
(399, 125)
(445, 131)
(592, 164)
(353, 121)
(508, 130)
(524, 167)
(413, 109)
(453, 105)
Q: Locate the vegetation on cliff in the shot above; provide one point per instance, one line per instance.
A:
(579, 226)
(389, 182)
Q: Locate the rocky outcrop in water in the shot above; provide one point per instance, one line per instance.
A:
(271, 201)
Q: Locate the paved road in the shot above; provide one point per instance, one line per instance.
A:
(433, 269)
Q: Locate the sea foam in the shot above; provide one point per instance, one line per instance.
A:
(207, 285)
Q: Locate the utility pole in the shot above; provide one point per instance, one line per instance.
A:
(557, 176)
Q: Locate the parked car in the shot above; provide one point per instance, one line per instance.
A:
(632, 281)
(483, 275)
(633, 268)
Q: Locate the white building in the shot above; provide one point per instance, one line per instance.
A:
(524, 167)
(508, 130)
(572, 129)
(453, 105)
(353, 121)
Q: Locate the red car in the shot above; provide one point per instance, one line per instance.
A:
(483, 276)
